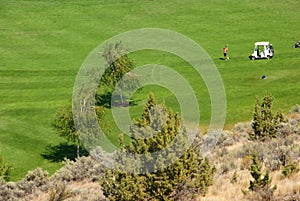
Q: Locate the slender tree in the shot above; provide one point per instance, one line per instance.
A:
(261, 181)
(64, 126)
(119, 67)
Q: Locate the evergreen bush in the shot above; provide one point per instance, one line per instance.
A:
(188, 176)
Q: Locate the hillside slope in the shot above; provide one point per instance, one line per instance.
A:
(79, 180)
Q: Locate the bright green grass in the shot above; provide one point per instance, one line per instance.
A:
(43, 43)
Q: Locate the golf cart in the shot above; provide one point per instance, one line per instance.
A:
(262, 50)
(297, 44)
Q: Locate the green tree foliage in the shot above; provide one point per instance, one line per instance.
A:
(265, 124)
(119, 63)
(187, 176)
(4, 169)
(119, 67)
(64, 126)
(260, 187)
(260, 180)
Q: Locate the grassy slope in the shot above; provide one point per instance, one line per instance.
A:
(43, 43)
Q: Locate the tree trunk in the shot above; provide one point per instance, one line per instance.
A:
(78, 146)
(121, 96)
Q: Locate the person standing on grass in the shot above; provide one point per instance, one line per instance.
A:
(225, 49)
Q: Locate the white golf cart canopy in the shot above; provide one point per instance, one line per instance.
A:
(262, 50)
(261, 43)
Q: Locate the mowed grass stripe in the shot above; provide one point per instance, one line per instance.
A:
(30, 99)
(21, 143)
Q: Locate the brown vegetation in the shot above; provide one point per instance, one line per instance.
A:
(232, 157)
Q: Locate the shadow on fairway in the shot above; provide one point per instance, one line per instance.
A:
(57, 153)
(105, 100)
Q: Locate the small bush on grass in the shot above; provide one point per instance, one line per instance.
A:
(295, 109)
(4, 169)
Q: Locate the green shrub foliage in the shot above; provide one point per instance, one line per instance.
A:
(265, 124)
(188, 175)
(260, 187)
(4, 169)
(290, 169)
(260, 180)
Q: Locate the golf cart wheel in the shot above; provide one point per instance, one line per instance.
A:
(268, 57)
(253, 58)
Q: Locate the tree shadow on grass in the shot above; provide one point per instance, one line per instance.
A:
(107, 101)
(103, 100)
(57, 153)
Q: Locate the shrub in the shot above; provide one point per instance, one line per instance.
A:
(265, 124)
(295, 109)
(261, 195)
(234, 178)
(59, 192)
(261, 183)
(79, 170)
(37, 178)
(290, 169)
(225, 139)
(227, 167)
(242, 129)
(260, 187)
(4, 169)
(188, 176)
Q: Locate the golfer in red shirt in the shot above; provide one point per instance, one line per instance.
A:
(225, 49)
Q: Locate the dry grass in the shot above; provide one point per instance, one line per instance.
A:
(288, 185)
(231, 158)
(77, 191)
(224, 190)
